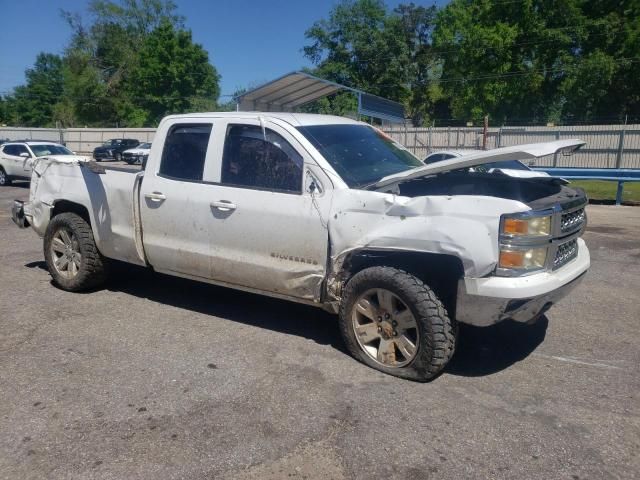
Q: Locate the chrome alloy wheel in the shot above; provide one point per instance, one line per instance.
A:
(385, 328)
(65, 252)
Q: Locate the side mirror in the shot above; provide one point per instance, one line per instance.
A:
(25, 155)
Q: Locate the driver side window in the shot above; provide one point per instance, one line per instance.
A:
(260, 160)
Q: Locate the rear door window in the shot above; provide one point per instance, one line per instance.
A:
(10, 150)
(260, 159)
(15, 150)
(185, 151)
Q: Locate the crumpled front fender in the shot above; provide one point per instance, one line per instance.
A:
(463, 226)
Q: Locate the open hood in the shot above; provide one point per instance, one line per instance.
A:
(518, 152)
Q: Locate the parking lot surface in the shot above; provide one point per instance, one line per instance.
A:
(156, 377)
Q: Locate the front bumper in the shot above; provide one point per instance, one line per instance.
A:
(131, 158)
(485, 301)
(102, 155)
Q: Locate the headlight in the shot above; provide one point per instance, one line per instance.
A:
(524, 242)
(525, 259)
(526, 227)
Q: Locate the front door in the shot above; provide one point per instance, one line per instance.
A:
(270, 206)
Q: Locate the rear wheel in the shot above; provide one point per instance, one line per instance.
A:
(4, 178)
(393, 322)
(71, 254)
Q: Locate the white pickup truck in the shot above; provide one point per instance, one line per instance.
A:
(326, 211)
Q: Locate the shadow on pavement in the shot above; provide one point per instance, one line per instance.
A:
(251, 309)
(41, 264)
(480, 351)
(487, 350)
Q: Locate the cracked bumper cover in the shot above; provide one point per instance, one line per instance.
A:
(486, 301)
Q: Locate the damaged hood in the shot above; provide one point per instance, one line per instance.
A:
(518, 152)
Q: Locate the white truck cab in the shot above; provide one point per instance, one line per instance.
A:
(326, 211)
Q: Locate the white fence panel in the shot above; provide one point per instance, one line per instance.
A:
(608, 146)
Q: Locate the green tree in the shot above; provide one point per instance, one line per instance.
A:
(101, 57)
(32, 104)
(363, 45)
(172, 75)
(539, 60)
(5, 115)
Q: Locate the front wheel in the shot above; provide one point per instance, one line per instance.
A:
(71, 254)
(393, 322)
(5, 181)
(117, 157)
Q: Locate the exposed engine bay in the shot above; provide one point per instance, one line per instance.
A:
(537, 193)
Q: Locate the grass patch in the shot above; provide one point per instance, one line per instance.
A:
(601, 190)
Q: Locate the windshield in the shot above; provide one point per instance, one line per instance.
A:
(112, 142)
(144, 146)
(360, 154)
(43, 150)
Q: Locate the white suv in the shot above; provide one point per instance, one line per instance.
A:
(16, 158)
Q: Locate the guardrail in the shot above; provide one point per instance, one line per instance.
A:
(620, 175)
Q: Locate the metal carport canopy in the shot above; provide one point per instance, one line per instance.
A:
(294, 89)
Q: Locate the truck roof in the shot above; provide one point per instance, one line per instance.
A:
(295, 119)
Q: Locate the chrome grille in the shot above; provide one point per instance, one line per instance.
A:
(565, 253)
(572, 221)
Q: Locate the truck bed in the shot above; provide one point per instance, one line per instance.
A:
(107, 192)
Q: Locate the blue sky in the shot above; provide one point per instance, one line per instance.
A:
(249, 41)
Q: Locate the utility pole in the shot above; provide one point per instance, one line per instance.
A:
(485, 129)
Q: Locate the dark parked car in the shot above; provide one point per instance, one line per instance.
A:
(112, 149)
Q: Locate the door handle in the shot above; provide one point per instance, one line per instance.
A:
(224, 205)
(155, 196)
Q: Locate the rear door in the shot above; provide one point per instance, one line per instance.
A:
(270, 204)
(174, 200)
(13, 163)
(7, 161)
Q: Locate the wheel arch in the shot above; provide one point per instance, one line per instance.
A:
(438, 270)
(67, 206)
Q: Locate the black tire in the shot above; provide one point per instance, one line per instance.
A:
(5, 180)
(92, 271)
(437, 332)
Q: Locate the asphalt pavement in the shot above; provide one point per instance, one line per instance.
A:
(155, 377)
